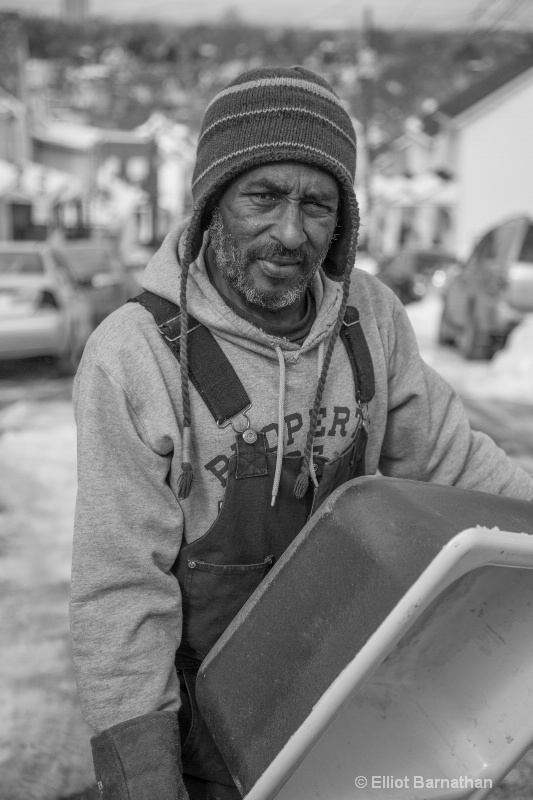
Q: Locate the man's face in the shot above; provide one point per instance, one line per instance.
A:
(272, 230)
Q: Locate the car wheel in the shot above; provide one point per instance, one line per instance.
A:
(473, 343)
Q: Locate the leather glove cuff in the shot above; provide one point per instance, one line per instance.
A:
(140, 759)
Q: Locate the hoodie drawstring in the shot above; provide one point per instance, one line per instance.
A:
(321, 348)
(320, 364)
(281, 423)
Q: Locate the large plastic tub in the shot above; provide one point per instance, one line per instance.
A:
(388, 654)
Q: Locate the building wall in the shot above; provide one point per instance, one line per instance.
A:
(8, 139)
(14, 140)
(418, 157)
(80, 163)
(13, 54)
(494, 164)
(443, 152)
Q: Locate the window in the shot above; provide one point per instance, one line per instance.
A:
(85, 262)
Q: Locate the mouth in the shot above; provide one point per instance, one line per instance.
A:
(279, 268)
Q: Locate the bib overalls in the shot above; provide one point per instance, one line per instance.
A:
(219, 571)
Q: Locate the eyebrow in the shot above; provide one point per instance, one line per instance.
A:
(265, 184)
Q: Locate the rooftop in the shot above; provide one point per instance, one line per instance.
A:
(461, 102)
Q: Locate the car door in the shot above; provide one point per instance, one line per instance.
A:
(106, 283)
(519, 275)
(77, 307)
(462, 287)
(91, 268)
(483, 281)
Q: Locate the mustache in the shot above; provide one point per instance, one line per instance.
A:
(275, 251)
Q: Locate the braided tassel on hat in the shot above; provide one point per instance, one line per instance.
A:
(186, 476)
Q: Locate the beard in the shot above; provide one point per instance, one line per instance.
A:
(234, 266)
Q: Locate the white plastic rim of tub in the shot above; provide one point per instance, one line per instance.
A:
(469, 550)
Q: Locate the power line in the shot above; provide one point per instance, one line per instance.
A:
(479, 11)
(408, 12)
(321, 12)
(509, 12)
(527, 19)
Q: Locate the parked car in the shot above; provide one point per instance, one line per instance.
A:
(101, 275)
(42, 311)
(410, 272)
(489, 296)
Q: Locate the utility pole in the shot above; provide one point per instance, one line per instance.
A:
(367, 77)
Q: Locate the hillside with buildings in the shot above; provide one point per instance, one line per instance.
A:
(100, 118)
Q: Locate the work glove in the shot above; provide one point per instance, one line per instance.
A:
(140, 759)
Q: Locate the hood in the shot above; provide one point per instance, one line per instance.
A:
(162, 277)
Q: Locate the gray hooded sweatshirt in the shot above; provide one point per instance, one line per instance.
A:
(125, 601)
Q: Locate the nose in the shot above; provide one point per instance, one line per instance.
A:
(288, 229)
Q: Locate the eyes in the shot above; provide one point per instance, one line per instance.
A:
(311, 206)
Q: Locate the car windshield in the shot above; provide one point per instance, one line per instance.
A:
(15, 262)
(526, 253)
(429, 262)
(85, 262)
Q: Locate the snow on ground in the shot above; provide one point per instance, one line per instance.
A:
(44, 744)
(508, 376)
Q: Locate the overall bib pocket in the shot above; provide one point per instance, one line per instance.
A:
(214, 594)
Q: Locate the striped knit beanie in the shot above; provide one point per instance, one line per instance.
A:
(268, 115)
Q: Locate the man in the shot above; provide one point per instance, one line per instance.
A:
(208, 434)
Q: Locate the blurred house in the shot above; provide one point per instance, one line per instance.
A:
(118, 174)
(39, 74)
(13, 54)
(177, 153)
(37, 202)
(9, 164)
(32, 197)
(460, 168)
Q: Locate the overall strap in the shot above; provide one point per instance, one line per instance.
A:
(356, 345)
(212, 374)
(209, 369)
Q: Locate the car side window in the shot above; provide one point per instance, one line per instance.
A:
(488, 247)
(506, 240)
(526, 252)
(481, 253)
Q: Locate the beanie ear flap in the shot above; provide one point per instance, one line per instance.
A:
(343, 246)
(193, 242)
